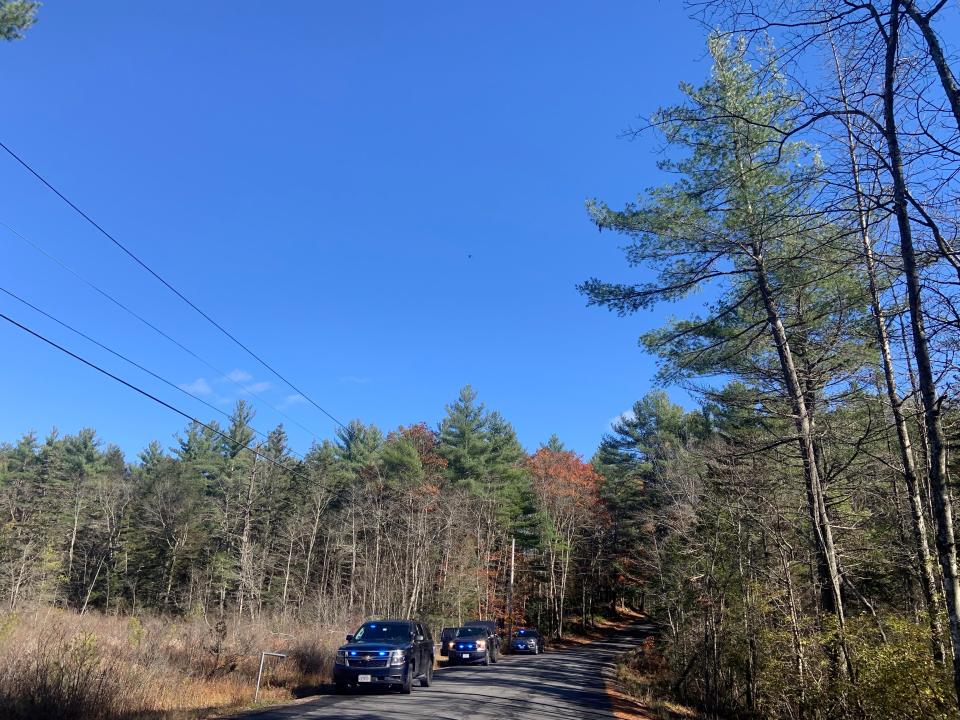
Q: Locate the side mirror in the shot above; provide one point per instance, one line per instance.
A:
(418, 638)
(349, 638)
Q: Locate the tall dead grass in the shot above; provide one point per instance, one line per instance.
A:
(59, 664)
(643, 676)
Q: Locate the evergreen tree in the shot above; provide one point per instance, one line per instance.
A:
(16, 16)
(464, 440)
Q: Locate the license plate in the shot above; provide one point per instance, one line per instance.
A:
(364, 678)
(466, 656)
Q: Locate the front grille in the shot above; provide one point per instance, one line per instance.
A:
(368, 660)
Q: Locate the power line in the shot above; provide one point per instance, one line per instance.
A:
(153, 327)
(129, 361)
(146, 394)
(170, 287)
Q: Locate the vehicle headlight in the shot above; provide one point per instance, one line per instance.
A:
(341, 657)
(481, 644)
(397, 657)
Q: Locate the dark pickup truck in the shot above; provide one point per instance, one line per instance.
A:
(473, 644)
(493, 639)
(385, 652)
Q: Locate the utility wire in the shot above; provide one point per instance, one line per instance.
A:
(153, 327)
(170, 287)
(165, 404)
(129, 361)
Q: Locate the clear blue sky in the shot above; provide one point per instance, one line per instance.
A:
(383, 199)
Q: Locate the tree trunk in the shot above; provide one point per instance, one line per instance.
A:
(318, 508)
(942, 505)
(73, 534)
(286, 576)
(826, 556)
(246, 559)
(827, 564)
(925, 566)
(947, 79)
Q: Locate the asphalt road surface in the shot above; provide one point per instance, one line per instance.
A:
(565, 684)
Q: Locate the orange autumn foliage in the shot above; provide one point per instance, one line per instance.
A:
(563, 476)
(564, 483)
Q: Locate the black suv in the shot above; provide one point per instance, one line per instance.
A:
(527, 640)
(473, 644)
(385, 652)
(447, 635)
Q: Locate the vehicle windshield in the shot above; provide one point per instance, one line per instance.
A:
(525, 634)
(383, 632)
(471, 632)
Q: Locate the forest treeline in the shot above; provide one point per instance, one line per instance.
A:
(413, 523)
(794, 534)
(799, 545)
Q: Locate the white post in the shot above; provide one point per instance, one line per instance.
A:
(256, 695)
(263, 655)
(513, 547)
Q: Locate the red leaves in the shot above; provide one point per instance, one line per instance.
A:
(562, 479)
(425, 441)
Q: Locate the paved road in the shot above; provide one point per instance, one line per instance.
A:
(561, 685)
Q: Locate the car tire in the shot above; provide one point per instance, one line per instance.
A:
(427, 677)
(407, 684)
(340, 688)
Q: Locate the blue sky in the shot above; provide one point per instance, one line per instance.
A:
(385, 200)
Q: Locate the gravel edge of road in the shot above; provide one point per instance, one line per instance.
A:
(623, 705)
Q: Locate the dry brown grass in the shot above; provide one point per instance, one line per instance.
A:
(58, 664)
(641, 687)
(601, 629)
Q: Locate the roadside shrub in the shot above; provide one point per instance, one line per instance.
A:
(63, 677)
(898, 679)
(644, 675)
(57, 664)
(312, 656)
